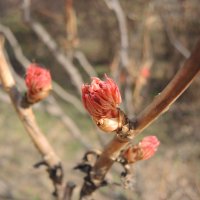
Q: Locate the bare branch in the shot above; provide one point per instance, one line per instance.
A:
(177, 44)
(172, 91)
(160, 104)
(15, 45)
(121, 18)
(54, 109)
(68, 97)
(51, 44)
(85, 63)
(71, 25)
(28, 120)
(60, 57)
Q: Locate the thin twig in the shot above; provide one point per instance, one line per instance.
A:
(177, 44)
(56, 110)
(85, 63)
(71, 26)
(51, 44)
(121, 18)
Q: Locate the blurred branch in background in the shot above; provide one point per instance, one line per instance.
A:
(172, 38)
(146, 63)
(85, 63)
(71, 27)
(54, 109)
(46, 38)
(123, 69)
(73, 41)
(121, 19)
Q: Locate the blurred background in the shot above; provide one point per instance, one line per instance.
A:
(140, 44)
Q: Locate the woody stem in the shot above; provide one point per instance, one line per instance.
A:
(159, 105)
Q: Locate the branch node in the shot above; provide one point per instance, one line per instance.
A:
(56, 173)
(125, 131)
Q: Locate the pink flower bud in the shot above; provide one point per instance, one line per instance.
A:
(149, 146)
(101, 98)
(38, 82)
(143, 151)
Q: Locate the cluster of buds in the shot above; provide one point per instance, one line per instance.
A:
(142, 151)
(101, 99)
(38, 82)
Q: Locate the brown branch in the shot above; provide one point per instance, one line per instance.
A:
(71, 25)
(160, 104)
(173, 90)
(73, 40)
(121, 18)
(28, 120)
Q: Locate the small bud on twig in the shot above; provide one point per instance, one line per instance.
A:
(143, 151)
(38, 82)
(101, 99)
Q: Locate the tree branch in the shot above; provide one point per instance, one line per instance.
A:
(51, 44)
(160, 104)
(121, 18)
(28, 120)
(177, 44)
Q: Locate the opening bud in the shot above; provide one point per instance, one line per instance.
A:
(101, 99)
(142, 151)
